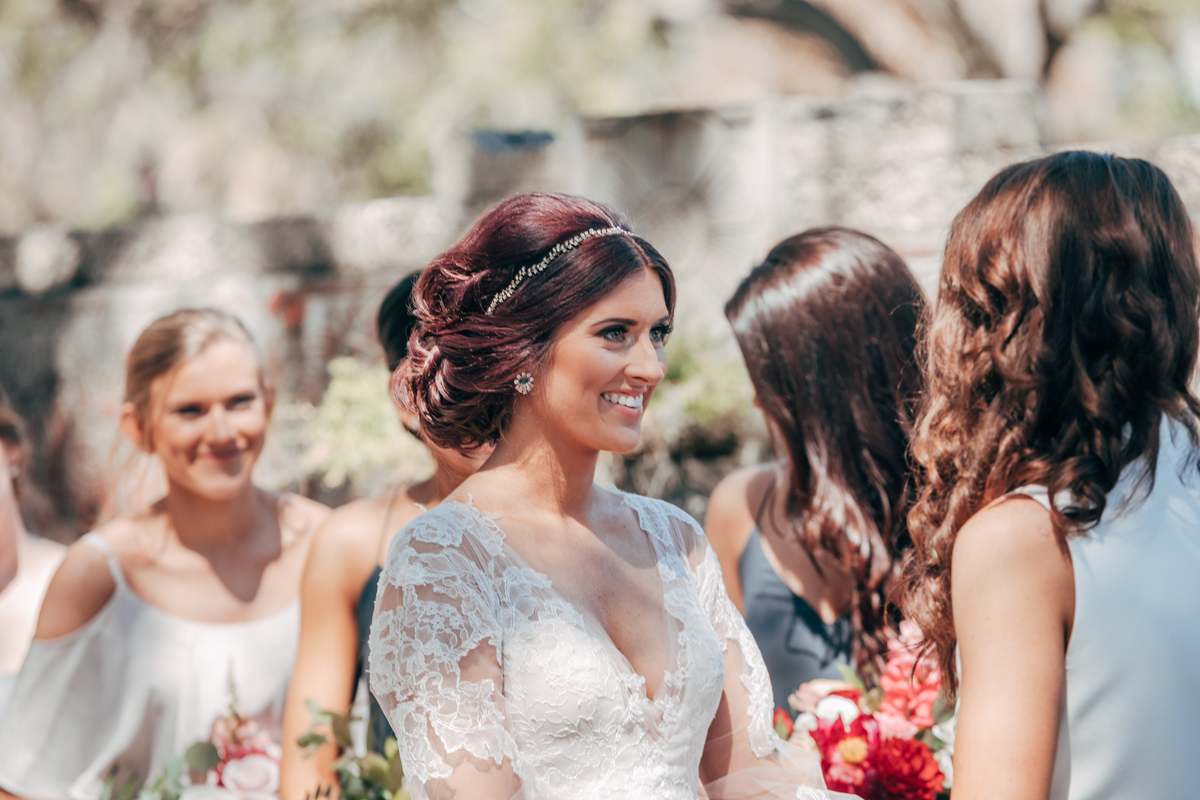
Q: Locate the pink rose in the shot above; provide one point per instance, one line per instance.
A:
(253, 777)
(809, 694)
(892, 726)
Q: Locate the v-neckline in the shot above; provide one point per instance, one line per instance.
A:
(490, 522)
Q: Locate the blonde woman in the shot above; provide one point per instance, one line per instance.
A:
(153, 613)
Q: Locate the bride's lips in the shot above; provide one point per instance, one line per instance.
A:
(625, 402)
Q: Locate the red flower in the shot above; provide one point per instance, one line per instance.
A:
(848, 754)
(907, 770)
(782, 722)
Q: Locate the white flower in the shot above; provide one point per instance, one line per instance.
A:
(806, 722)
(253, 777)
(945, 760)
(206, 792)
(833, 706)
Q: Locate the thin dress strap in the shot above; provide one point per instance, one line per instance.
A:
(1039, 493)
(114, 566)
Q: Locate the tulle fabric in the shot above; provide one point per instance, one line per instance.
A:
(497, 687)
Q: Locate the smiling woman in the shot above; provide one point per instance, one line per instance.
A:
(151, 617)
(535, 635)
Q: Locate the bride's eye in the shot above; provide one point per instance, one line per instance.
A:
(616, 333)
(660, 333)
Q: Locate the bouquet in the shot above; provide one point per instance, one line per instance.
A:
(238, 761)
(369, 776)
(882, 744)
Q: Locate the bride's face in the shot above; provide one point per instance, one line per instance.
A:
(604, 367)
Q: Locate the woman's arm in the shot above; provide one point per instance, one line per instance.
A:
(1013, 594)
(339, 564)
(729, 522)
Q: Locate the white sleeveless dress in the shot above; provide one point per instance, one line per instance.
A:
(133, 687)
(1130, 726)
(497, 686)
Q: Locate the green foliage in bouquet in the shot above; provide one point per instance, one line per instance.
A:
(369, 777)
(172, 783)
(354, 436)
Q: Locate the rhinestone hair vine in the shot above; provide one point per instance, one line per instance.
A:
(555, 252)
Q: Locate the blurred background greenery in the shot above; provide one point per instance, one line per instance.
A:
(115, 109)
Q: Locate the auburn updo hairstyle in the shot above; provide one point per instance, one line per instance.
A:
(462, 361)
(1066, 326)
(827, 325)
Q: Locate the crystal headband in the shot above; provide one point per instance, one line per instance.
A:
(555, 252)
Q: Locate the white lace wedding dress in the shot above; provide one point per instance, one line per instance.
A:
(497, 687)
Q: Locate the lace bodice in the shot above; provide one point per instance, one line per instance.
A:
(497, 686)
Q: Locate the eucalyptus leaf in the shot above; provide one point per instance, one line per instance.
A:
(374, 769)
(850, 677)
(312, 740)
(319, 714)
(173, 768)
(395, 774)
(202, 756)
(341, 730)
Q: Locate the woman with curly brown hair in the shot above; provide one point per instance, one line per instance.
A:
(1056, 529)
(809, 543)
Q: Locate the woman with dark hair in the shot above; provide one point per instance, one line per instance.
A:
(33, 559)
(808, 544)
(1056, 527)
(537, 636)
(337, 591)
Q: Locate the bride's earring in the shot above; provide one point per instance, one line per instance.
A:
(524, 383)
(13, 471)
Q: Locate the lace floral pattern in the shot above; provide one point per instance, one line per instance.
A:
(497, 686)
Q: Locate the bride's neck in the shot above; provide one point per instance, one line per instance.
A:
(545, 470)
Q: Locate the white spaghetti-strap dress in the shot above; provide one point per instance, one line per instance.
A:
(1130, 726)
(133, 687)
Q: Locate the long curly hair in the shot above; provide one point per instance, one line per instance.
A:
(1065, 327)
(827, 325)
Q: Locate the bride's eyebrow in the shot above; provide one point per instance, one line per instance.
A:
(615, 321)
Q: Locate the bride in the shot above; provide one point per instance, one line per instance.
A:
(535, 635)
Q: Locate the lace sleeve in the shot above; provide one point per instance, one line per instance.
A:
(435, 654)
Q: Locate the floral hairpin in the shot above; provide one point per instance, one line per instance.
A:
(555, 252)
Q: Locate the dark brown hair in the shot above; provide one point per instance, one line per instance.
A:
(828, 326)
(1065, 327)
(13, 433)
(395, 321)
(463, 361)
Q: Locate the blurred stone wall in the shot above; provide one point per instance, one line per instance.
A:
(712, 188)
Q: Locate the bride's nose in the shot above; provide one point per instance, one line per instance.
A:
(646, 361)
